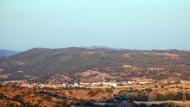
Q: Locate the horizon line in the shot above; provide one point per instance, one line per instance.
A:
(97, 47)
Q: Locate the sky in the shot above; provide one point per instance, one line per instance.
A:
(130, 24)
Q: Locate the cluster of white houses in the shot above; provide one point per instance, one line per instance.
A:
(82, 85)
(24, 83)
(75, 84)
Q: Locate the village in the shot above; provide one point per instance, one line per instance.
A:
(131, 85)
(106, 84)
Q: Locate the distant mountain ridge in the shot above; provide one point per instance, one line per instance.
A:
(86, 64)
(5, 53)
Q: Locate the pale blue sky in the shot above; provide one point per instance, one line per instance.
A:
(131, 24)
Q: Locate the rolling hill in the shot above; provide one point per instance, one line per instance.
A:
(94, 64)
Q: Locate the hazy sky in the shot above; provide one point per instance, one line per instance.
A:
(132, 24)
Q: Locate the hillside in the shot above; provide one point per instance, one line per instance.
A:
(95, 64)
(14, 96)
